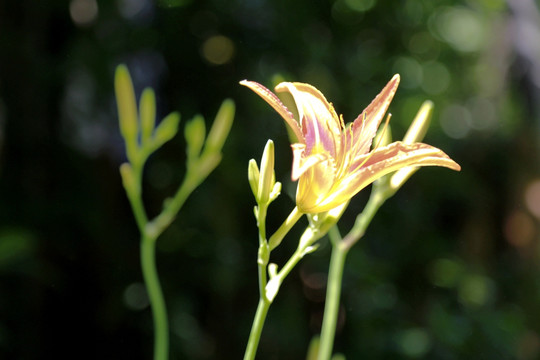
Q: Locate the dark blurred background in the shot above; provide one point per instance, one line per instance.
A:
(449, 268)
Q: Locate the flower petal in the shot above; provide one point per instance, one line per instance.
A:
(380, 162)
(366, 124)
(274, 101)
(315, 184)
(301, 162)
(318, 119)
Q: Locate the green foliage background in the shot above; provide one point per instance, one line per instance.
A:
(448, 268)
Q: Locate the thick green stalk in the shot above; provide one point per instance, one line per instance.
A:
(340, 248)
(256, 329)
(157, 302)
(333, 293)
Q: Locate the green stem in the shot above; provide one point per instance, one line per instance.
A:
(340, 248)
(157, 302)
(256, 329)
(333, 292)
(363, 220)
(265, 300)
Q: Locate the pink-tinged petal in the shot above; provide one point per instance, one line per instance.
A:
(380, 162)
(398, 154)
(318, 119)
(315, 185)
(274, 101)
(301, 162)
(366, 124)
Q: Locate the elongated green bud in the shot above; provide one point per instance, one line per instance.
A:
(266, 177)
(253, 177)
(147, 113)
(167, 129)
(416, 133)
(127, 109)
(221, 127)
(195, 132)
(420, 124)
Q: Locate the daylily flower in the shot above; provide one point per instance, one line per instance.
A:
(333, 161)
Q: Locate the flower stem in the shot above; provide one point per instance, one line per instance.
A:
(333, 292)
(256, 329)
(157, 302)
(340, 248)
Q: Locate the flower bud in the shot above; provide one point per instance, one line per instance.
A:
(420, 124)
(195, 132)
(266, 176)
(167, 129)
(253, 177)
(147, 113)
(221, 127)
(127, 109)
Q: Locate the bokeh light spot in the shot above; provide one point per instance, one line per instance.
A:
(83, 12)
(131, 8)
(483, 113)
(456, 121)
(218, 50)
(360, 5)
(461, 28)
(410, 71)
(519, 229)
(135, 296)
(475, 290)
(528, 346)
(420, 43)
(414, 342)
(532, 198)
(446, 273)
(173, 3)
(436, 78)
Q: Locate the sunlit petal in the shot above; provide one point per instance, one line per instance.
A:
(274, 101)
(302, 163)
(318, 119)
(366, 124)
(384, 161)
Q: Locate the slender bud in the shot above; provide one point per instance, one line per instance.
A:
(253, 177)
(195, 132)
(266, 177)
(127, 109)
(147, 113)
(221, 127)
(416, 133)
(420, 124)
(167, 129)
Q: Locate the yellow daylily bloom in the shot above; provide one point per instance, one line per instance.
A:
(333, 161)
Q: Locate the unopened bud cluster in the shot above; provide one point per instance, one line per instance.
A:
(263, 181)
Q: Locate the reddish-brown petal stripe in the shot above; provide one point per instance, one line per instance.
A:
(274, 101)
(365, 128)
